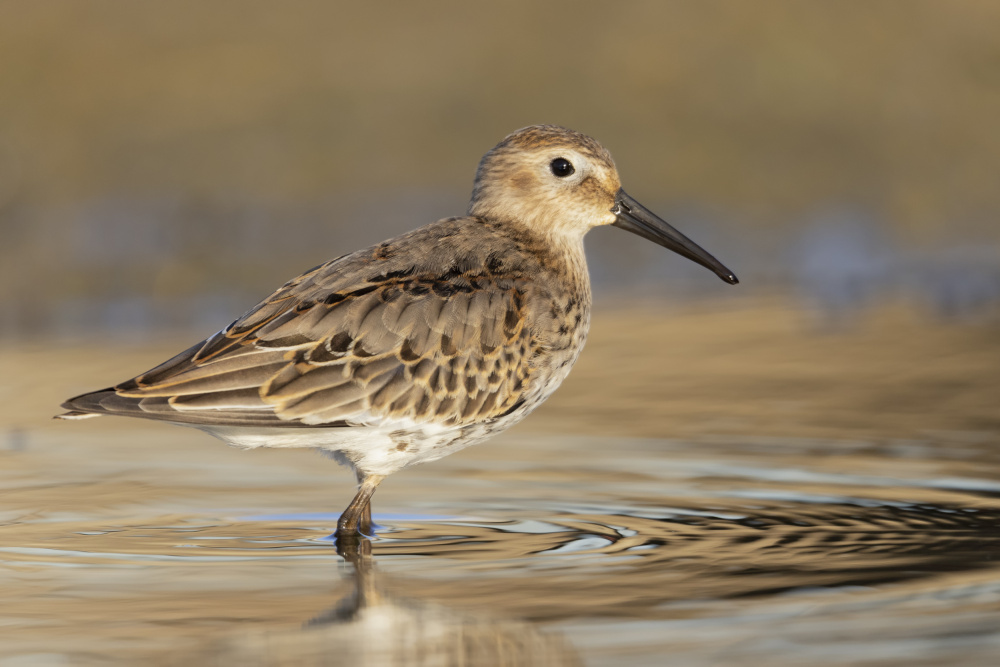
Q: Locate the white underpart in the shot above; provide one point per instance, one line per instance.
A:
(376, 449)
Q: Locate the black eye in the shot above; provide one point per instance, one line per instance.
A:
(561, 167)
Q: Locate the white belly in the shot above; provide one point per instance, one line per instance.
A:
(374, 450)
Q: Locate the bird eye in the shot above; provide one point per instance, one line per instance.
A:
(561, 167)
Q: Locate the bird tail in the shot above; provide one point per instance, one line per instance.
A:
(86, 405)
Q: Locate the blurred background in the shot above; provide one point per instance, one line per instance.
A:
(163, 166)
(827, 429)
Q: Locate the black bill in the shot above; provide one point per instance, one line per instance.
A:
(638, 219)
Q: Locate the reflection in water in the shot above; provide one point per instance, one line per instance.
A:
(372, 626)
(498, 592)
(766, 553)
(730, 552)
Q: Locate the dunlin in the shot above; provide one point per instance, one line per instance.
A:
(419, 346)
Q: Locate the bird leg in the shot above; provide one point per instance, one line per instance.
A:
(365, 520)
(358, 515)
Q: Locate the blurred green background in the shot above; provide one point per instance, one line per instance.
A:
(164, 165)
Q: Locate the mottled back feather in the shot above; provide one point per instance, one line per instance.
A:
(447, 324)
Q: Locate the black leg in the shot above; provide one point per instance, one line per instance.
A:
(365, 522)
(358, 516)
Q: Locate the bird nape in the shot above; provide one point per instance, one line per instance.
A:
(419, 346)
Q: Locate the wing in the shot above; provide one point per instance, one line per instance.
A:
(341, 346)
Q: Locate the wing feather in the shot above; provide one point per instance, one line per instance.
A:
(378, 335)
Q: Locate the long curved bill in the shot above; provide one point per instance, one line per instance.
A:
(638, 219)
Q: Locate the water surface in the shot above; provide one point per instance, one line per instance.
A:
(154, 545)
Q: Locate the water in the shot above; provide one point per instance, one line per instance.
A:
(157, 546)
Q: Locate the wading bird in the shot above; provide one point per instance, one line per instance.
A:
(419, 346)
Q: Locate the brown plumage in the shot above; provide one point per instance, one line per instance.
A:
(429, 342)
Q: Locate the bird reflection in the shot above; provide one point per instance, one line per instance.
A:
(371, 626)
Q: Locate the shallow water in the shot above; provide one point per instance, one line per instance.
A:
(158, 546)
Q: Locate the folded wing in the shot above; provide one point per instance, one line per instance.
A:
(450, 347)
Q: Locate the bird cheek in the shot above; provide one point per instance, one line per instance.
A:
(523, 181)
